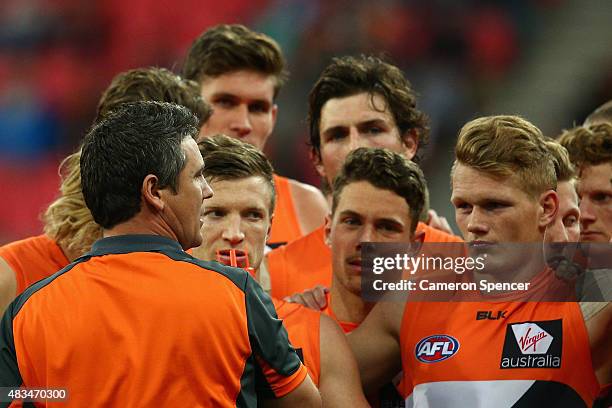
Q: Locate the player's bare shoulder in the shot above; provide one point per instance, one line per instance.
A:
(591, 309)
(8, 284)
(310, 205)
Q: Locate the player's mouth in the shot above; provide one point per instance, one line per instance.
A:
(480, 244)
(593, 236)
(354, 263)
(233, 257)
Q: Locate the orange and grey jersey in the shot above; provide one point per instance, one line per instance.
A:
(139, 322)
(504, 354)
(304, 327)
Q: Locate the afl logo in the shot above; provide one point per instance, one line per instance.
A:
(436, 348)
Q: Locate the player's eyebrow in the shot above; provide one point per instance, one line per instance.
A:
(372, 122)
(200, 171)
(349, 213)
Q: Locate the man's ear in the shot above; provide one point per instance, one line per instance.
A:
(151, 193)
(269, 228)
(315, 157)
(410, 138)
(549, 206)
(328, 225)
(418, 237)
(274, 113)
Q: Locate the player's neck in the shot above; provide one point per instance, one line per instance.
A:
(348, 306)
(531, 266)
(142, 225)
(70, 254)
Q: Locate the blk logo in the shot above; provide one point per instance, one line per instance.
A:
(490, 315)
(436, 348)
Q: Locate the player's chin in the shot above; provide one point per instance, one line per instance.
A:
(354, 284)
(197, 239)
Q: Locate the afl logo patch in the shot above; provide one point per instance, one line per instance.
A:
(436, 348)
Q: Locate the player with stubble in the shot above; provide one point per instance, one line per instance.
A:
(240, 72)
(503, 191)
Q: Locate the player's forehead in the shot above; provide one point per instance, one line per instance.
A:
(243, 84)
(240, 193)
(472, 185)
(595, 177)
(354, 109)
(364, 199)
(566, 191)
(193, 157)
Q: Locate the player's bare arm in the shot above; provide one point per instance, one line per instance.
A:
(8, 285)
(375, 344)
(305, 395)
(310, 206)
(339, 382)
(598, 321)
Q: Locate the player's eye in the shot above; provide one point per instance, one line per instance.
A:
(570, 221)
(390, 227)
(602, 198)
(214, 213)
(254, 215)
(259, 108)
(493, 205)
(224, 102)
(351, 221)
(335, 135)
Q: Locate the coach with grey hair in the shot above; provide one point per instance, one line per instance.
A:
(137, 321)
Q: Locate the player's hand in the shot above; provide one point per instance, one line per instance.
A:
(439, 222)
(311, 298)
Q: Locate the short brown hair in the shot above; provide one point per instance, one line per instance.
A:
(505, 146)
(386, 170)
(564, 169)
(348, 76)
(153, 84)
(588, 145)
(226, 158)
(137, 139)
(232, 47)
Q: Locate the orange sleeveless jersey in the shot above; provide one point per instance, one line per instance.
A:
(285, 225)
(347, 327)
(306, 262)
(33, 259)
(486, 354)
(138, 322)
(303, 326)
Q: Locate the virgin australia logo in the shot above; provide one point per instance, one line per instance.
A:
(531, 338)
(533, 345)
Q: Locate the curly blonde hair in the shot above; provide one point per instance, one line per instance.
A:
(68, 220)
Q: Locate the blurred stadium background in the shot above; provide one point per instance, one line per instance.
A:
(548, 60)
